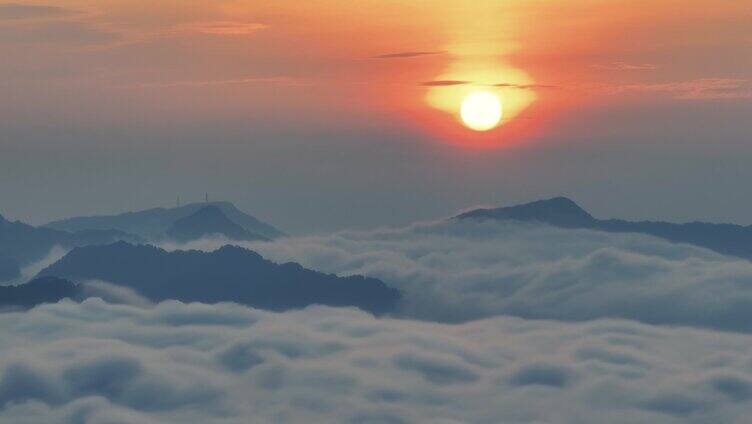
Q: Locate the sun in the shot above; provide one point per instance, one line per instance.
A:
(481, 111)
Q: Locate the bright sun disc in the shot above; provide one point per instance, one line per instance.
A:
(481, 111)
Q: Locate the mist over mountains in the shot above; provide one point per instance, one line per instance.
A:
(22, 244)
(346, 272)
(412, 273)
(229, 274)
(36, 292)
(469, 319)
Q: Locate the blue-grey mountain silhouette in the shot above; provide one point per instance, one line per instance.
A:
(230, 274)
(23, 244)
(153, 223)
(37, 291)
(9, 269)
(208, 221)
(727, 239)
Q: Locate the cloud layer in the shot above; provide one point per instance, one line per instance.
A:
(100, 363)
(460, 271)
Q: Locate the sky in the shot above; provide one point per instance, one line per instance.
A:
(335, 114)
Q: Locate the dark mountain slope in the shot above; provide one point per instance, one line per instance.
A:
(9, 269)
(728, 239)
(35, 292)
(229, 274)
(208, 221)
(23, 244)
(558, 211)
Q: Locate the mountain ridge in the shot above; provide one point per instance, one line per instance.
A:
(24, 244)
(228, 274)
(154, 222)
(727, 239)
(37, 291)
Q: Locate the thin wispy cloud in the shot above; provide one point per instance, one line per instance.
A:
(13, 11)
(697, 89)
(405, 55)
(443, 83)
(626, 66)
(524, 86)
(224, 27)
(451, 83)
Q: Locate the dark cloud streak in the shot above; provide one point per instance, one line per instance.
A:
(406, 55)
(524, 86)
(443, 83)
(452, 83)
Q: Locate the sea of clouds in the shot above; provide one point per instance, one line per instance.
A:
(499, 323)
(453, 271)
(97, 363)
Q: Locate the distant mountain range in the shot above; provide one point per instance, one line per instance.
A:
(727, 239)
(230, 274)
(36, 292)
(154, 223)
(208, 221)
(22, 244)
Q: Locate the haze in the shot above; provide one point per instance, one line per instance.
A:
(339, 114)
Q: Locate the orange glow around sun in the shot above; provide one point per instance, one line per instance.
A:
(509, 86)
(479, 92)
(370, 64)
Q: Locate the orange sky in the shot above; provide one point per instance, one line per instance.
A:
(332, 60)
(285, 100)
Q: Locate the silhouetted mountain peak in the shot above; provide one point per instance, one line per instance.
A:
(24, 244)
(229, 274)
(727, 239)
(558, 211)
(122, 249)
(229, 250)
(209, 220)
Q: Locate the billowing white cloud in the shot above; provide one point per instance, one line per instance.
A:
(459, 271)
(28, 272)
(113, 293)
(96, 362)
